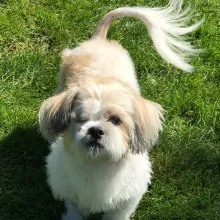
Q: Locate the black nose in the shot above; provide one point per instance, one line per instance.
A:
(96, 132)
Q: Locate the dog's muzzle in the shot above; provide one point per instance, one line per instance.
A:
(93, 137)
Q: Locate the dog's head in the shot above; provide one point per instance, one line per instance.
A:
(102, 117)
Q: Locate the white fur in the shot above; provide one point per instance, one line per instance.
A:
(166, 27)
(98, 185)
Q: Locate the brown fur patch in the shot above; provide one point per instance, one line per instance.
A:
(55, 113)
(148, 122)
(72, 69)
(125, 134)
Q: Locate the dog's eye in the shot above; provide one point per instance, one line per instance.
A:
(82, 119)
(115, 120)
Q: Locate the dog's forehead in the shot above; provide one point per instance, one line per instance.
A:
(103, 94)
(92, 106)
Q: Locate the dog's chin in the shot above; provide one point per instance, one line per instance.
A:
(98, 149)
(93, 144)
(93, 148)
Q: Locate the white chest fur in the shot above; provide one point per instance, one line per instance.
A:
(96, 185)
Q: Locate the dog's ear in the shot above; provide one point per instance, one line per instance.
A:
(55, 113)
(148, 120)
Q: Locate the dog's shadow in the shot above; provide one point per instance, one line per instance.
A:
(24, 191)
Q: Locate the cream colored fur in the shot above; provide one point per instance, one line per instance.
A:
(106, 59)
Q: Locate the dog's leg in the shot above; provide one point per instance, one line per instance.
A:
(124, 211)
(72, 212)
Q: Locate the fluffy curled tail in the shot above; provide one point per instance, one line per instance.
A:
(166, 27)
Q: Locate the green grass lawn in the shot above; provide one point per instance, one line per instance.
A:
(186, 161)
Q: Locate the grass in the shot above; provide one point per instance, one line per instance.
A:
(186, 161)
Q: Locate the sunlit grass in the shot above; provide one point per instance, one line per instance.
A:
(186, 161)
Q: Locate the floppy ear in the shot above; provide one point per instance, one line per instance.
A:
(55, 114)
(148, 119)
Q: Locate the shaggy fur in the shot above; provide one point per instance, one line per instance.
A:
(99, 126)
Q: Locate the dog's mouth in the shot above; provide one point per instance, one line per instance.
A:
(93, 144)
(93, 148)
(90, 143)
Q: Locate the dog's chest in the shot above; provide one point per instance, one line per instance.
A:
(99, 188)
(96, 187)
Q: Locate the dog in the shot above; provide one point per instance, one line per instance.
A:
(100, 128)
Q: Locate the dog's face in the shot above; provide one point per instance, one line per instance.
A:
(102, 119)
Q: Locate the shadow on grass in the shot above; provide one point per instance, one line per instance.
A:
(24, 193)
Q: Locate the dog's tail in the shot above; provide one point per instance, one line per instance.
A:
(166, 27)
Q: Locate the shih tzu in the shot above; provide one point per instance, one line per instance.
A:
(100, 127)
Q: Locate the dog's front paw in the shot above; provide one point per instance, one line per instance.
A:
(72, 216)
